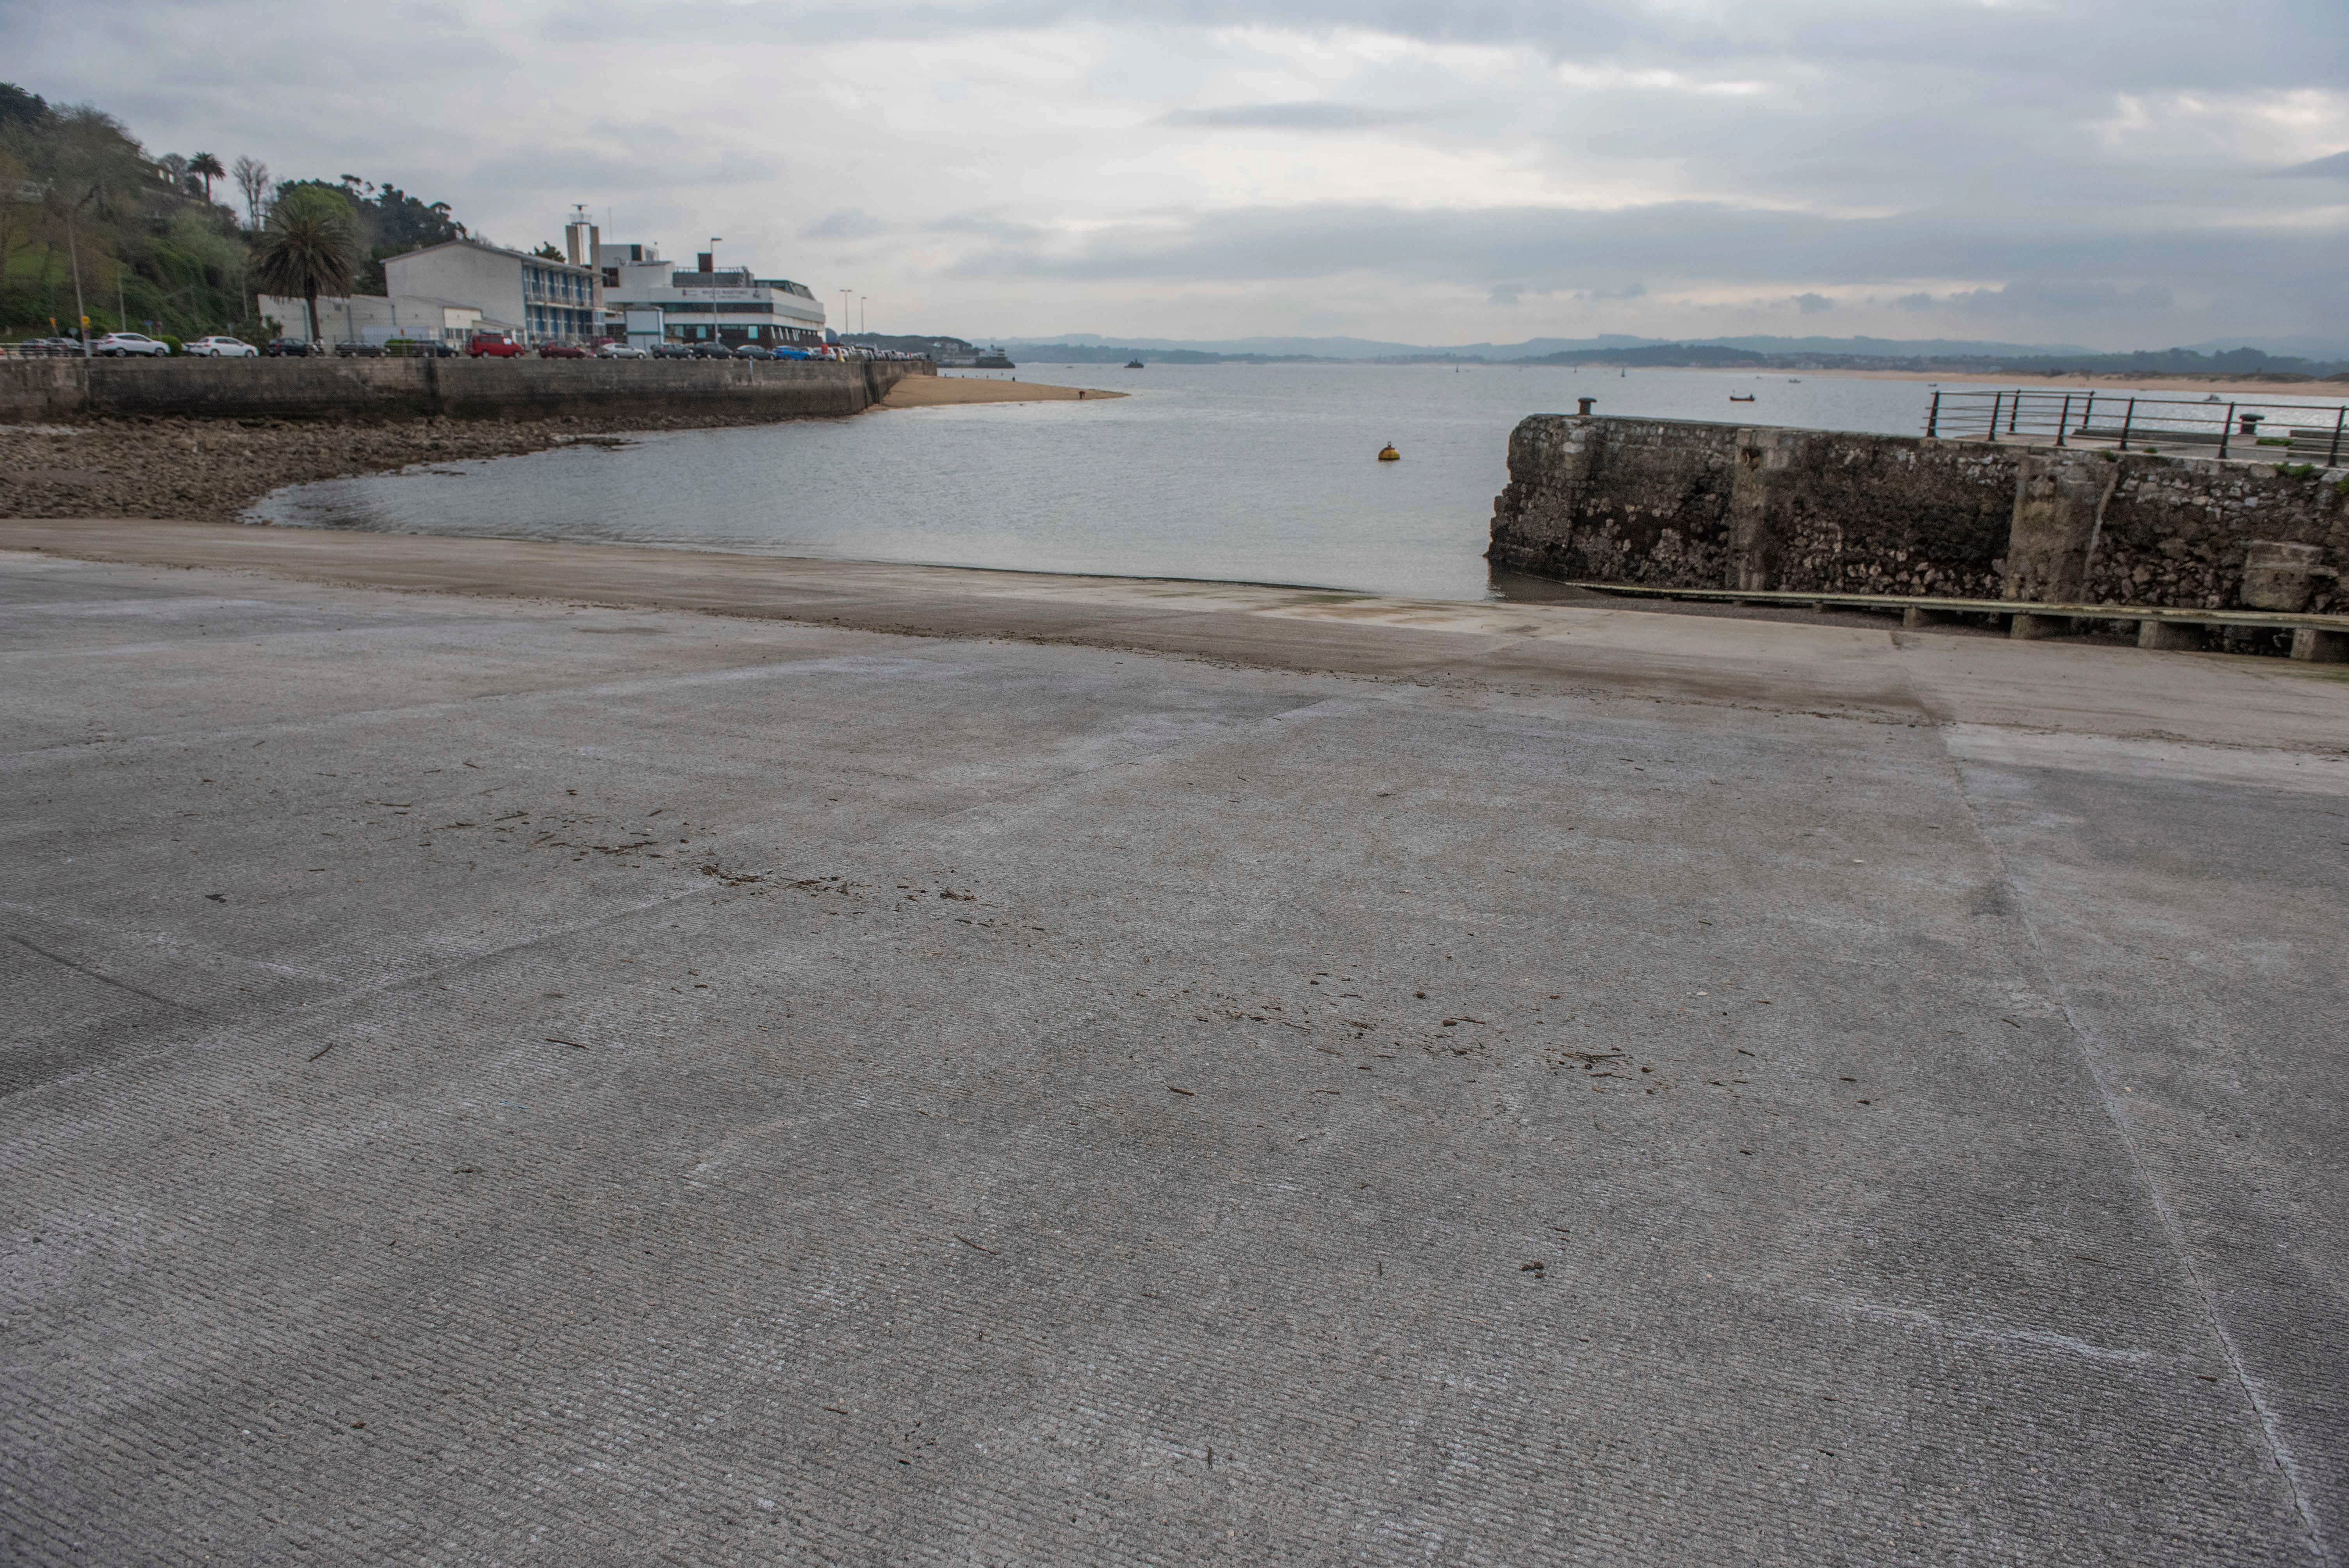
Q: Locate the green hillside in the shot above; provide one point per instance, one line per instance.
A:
(160, 242)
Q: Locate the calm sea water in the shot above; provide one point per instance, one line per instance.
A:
(1247, 473)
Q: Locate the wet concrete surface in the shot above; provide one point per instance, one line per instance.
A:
(1143, 1073)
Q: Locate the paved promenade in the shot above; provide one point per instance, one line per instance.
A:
(603, 1055)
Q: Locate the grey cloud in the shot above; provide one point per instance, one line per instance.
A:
(1972, 126)
(2111, 271)
(1814, 304)
(986, 225)
(848, 224)
(1295, 117)
(2063, 299)
(1565, 249)
(2010, 50)
(589, 172)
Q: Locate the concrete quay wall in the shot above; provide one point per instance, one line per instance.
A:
(36, 391)
(1672, 504)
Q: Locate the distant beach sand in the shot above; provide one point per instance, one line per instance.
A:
(2098, 383)
(934, 391)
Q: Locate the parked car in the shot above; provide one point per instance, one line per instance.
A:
(671, 351)
(358, 351)
(753, 351)
(418, 348)
(561, 351)
(712, 351)
(494, 345)
(44, 347)
(122, 344)
(623, 351)
(290, 348)
(792, 354)
(220, 348)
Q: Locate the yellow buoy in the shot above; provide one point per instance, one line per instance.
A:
(1387, 454)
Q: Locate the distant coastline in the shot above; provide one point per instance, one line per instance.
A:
(2292, 386)
(2244, 365)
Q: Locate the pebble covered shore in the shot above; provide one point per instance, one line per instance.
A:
(210, 470)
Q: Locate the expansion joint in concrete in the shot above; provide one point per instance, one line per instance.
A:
(2084, 1043)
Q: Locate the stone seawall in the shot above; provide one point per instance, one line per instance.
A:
(41, 391)
(1680, 504)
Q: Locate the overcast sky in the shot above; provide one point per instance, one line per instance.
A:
(2120, 174)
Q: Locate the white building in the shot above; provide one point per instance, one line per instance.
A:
(378, 318)
(545, 300)
(655, 300)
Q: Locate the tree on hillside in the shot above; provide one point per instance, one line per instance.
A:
(18, 107)
(251, 178)
(83, 204)
(207, 167)
(310, 247)
(391, 223)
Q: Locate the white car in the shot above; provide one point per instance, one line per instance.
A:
(121, 343)
(623, 351)
(220, 348)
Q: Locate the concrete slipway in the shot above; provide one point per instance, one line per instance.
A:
(948, 1066)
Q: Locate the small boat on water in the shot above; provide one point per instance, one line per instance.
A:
(1741, 396)
(1387, 454)
(1133, 365)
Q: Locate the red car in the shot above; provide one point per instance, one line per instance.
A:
(562, 351)
(496, 345)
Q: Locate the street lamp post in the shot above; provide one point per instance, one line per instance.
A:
(73, 256)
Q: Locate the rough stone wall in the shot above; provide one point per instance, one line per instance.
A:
(34, 391)
(1619, 501)
(2178, 531)
(1674, 504)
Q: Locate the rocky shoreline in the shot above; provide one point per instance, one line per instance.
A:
(210, 470)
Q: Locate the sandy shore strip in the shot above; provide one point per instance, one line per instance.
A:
(938, 391)
(2292, 391)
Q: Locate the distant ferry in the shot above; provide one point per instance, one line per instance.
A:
(1133, 365)
(993, 359)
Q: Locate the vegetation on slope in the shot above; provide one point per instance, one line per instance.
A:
(163, 244)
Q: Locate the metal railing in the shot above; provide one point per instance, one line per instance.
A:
(2132, 421)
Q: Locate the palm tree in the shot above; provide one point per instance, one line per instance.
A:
(309, 247)
(209, 167)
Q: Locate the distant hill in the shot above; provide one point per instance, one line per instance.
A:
(1953, 354)
(1364, 348)
(1662, 353)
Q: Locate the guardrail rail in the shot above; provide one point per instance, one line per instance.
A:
(2132, 421)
